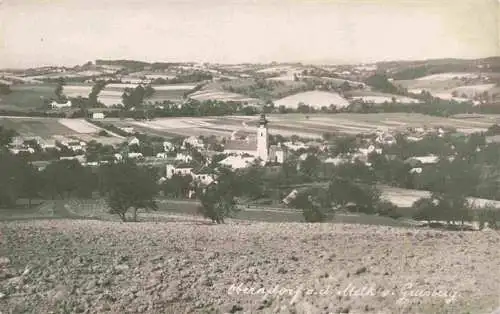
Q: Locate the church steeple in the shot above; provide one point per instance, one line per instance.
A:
(262, 139)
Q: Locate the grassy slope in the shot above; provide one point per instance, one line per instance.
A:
(26, 96)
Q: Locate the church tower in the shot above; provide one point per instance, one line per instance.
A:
(262, 139)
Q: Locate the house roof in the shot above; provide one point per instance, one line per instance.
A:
(242, 133)
(275, 148)
(204, 170)
(241, 145)
(424, 159)
(186, 165)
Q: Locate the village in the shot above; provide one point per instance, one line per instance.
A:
(199, 158)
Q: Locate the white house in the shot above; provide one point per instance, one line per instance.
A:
(294, 146)
(424, 160)
(277, 154)
(16, 151)
(168, 147)
(135, 155)
(204, 176)
(194, 142)
(369, 150)
(290, 197)
(55, 105)
(183, 169)
(386, 139)
(238, 162)
(183, 157)
(80, 158)
(128, 129)
(335, 161)
(133, 141)
(98, 115)
(162, 155)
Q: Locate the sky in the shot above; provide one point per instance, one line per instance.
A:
(70, 32)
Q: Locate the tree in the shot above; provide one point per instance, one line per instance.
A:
(134, 97)
(31, 183)
(6, 136)
(59, 89)
(251, 181)
(310, 167)
(218, 199)
(129, 186)
(452, 208)
(311, 209)
(363, 197)
(424, 209)
(62, 178)
(94, 93)
(387, 208)
(345, 145)
(490, 215)
(177, 186)
(11, 178)
(356, 171)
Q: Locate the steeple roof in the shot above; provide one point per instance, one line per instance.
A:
(263, 120)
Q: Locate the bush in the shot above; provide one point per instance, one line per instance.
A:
(489, 216)
(313, 214)
(103, 133)
(389, 209)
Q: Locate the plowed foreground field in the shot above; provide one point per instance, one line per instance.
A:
(77, 266)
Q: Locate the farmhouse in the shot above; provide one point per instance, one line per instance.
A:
(418, 164)
(294, 146)
(55, 105)
(258, 147)
(168, 147)
(133, 141)
(237, 162)
(80, 158)
(182, 169)
(193, 141)
(98, 115)
(183, 157)
(204, 176)
(135, 155)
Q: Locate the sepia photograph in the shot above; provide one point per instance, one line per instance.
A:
(250, 156)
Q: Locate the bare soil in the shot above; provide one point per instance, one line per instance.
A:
(76, 266)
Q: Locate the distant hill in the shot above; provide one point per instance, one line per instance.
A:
(409, 70)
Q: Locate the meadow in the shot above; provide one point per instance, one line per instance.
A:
(42, 127)
(27, 96)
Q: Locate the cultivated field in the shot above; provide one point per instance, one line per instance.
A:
(182, 266)
(215, 94)
(48, 128)
(443, 85)
(311, 125)
(77, 90)
(315, 99)
(449, 76)
(79, 126)
(172, 92)
(27, 96)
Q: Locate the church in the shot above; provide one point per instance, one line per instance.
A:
(258, 146)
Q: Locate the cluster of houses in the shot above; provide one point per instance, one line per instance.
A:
(241, 150)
